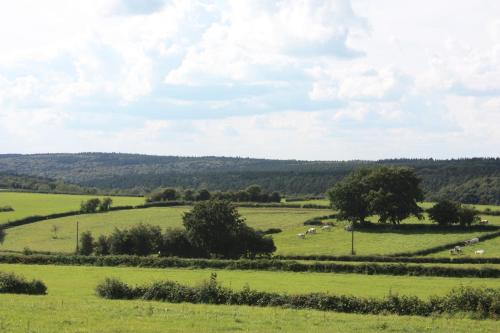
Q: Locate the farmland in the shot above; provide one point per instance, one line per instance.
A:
(28, 204)
(71, 303)
(40, 237)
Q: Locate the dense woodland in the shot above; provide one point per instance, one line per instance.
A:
(472, 181)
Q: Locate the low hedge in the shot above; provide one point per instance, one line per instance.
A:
(389, 259)
(14, 284)
(483, 302)
(253, 264)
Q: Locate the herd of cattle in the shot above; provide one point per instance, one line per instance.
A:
(458, 249)
(312, 231)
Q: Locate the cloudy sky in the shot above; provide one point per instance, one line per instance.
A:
(323, 80)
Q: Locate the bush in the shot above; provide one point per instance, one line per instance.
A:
(14, 284)
(101, 246)
(176, 243)
(90, 206)
(114, 289)
(481, 301)
(105, 204)
(6, 209)
(86, 243)
(142, 240)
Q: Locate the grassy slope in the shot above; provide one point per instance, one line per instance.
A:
(87, 277)
(27, 204)
(491, 248)
(38, 236)
(71, 305)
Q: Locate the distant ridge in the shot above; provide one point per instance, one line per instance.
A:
(474, 180)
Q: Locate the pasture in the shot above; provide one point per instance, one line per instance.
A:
(40, 236)
(71, 304)
(28, 204)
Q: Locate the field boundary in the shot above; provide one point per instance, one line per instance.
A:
(252, 264)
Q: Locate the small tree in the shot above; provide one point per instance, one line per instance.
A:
(188, 195)
(445, 212)
(101, 246)
(163, 194)
(90, 206)
(86, 243)
(254, 192)
(203, 195)
(55, 229)
(275, 197)
(468, 216)
(105, 204)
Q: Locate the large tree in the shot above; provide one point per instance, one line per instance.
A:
(445, 212)
(349, 196)
(391, 193)
(394, 193)
(216, 227)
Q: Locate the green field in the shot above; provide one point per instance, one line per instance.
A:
(71, 305)
(28, 204)
(40, 237)
(491, 248)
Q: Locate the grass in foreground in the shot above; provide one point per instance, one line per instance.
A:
(71, 306)
(28, 204)
(65, 279)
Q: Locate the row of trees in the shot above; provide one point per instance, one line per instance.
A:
(447, 212)
(252, 193)
(96, 205)
(213, 228)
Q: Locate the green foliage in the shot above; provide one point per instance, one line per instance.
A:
(14, 284)
(370, 268)
(388, 192)
(217, 228)
(6, 209)
(105, 204)
(482, 301)
(86, 243)
(163, 194)
(2, 235)
(141, 240)
(101, 246)
(394, 193)
(446, 212)
(90, 206)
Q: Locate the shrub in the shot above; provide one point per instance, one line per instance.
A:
(6, 209)
(176, 243)
(105, 204)
(101, 246)
(481, 301)
(90, 206)
(142, 240)
(114, 289)
(14, 284)
(86, 243)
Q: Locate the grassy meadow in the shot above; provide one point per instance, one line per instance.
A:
(72, 306)
(28, 204)
(40, 236)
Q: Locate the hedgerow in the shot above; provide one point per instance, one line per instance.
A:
(483, 302)
(14, 284)
(254, 264)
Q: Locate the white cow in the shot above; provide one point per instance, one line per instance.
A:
(479, 251)
(311, 231)
(484, 222)
(301, 235)
(456, 250)
(326, 227)
(474, 240)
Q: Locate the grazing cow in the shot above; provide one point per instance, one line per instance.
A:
(484, 222)
(456, 250)
(311, 231)
(479, 251)
(301, 235)
(326, 227)
(474, 240)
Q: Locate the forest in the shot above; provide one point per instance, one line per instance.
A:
(474, 180)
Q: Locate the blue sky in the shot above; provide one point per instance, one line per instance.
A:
(321, 80)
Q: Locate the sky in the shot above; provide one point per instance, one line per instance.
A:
(305, 79)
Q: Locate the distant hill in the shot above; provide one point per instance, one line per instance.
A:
(475, 180)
